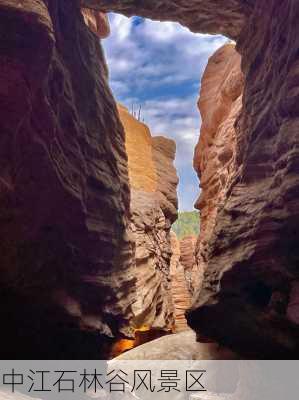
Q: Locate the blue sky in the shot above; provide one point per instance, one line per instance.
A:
(159, 65)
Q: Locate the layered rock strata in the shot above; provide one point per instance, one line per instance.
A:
(250, 251)
(179, 287)
(186, 278)
(65, 255)
(153, 183)
(64, 198)
(247, 159)
(192, 270)
(197, 15)
(220, 104)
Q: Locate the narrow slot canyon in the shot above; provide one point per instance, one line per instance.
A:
(91, 266)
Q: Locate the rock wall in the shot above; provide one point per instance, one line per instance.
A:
(65, 256)
(186, 278)
(97, 21)
(250, 247)
(251, 251)
(153, 183)
(197, 15)
(66, 279)
(179, 287)
(220, 103)
(192, 270)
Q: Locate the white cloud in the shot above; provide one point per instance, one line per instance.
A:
(159, 65)
(162, 32)
(154, 50)
(121, 27)
(176, 118)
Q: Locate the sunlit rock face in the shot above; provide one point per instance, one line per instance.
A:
(249, 299)
(179, 287)
(250, 247)
(139, 147)
(220, 104)
(197, 15)
(97, 21)
(66, 258)
(153, 183)
(65, 279)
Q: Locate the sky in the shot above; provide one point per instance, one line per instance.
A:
(159, 66)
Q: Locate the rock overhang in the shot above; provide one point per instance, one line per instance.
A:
(200, 16)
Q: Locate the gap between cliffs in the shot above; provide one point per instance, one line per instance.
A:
(233, 168)
(68, 253)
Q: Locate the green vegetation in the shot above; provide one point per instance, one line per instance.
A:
(186, 224)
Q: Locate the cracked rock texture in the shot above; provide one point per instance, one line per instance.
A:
(65, 255)
(153, 183)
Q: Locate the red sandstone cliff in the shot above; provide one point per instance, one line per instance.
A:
(193, 271)
(179, 287)
(248, 171)
(186, 278)
(66, 280)
(251, 249)
(197, 15)
(97, 21)
(153, 183)
(65, 255)
(214, 159)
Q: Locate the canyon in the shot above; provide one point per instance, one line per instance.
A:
(88, 196)
(164, 266)
(153, 183)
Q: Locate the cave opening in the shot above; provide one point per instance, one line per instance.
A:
(86, 242)
(155, 71)
(67, 226)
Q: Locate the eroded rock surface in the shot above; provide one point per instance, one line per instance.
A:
(153, 183)
(65, 256)
(97, 21)
(248, 160)
(214, 159)
(193, 271)
(186, 277)
(249, 247)
(66, 259)
(197, 15)
(179, 287)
